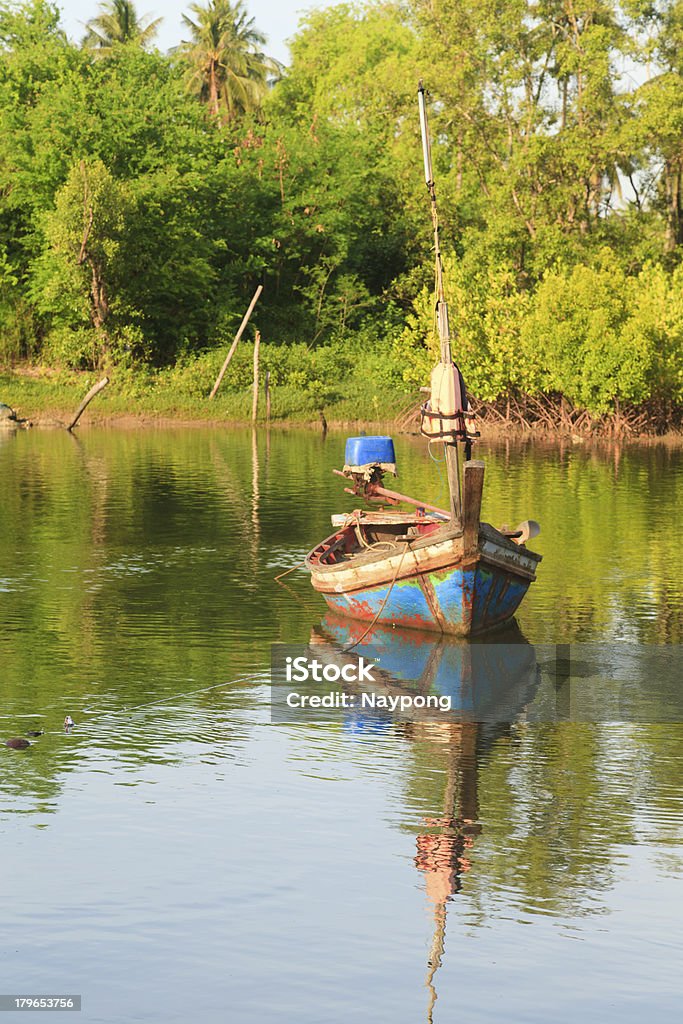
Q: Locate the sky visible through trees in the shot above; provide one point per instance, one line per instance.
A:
(277, 18)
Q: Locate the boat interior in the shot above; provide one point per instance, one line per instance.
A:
(366, 536)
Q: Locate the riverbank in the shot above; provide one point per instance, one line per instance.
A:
(45, 398)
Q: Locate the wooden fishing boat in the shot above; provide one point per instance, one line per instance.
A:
(422, 571)
(430, 568)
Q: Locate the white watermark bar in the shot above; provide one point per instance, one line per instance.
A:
(317, 684)
(446, 680)
(26, 1001)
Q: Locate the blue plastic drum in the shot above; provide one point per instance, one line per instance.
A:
(367, 451)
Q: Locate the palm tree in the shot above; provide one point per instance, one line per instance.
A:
(227, 67)
(117, 23)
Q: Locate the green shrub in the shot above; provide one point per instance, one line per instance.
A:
(591, 333)
(69, 348)
(486, 312)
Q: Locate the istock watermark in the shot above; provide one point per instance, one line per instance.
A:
(305, 669)
(452, 681)
(318, 683)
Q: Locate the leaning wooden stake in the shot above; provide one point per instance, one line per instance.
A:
(254, 406)
(239, 334)
(95, 390)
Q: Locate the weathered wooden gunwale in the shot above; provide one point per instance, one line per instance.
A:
(439, 550)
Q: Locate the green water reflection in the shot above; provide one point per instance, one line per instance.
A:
(136, 568)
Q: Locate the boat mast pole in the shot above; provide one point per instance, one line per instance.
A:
(450, 447)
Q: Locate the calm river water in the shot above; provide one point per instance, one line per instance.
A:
(193, 861)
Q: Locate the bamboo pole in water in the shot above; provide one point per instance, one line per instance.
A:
(95, 390)
(254, 405)
(239, 334)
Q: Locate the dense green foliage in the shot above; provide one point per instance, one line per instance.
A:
(144, 196)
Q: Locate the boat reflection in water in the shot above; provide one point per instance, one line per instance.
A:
(489, 684)
(485, 680)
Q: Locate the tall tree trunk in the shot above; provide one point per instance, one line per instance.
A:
(213, 89)
(673, 184)
(459, 161)
(99, 308)
(98, 295)
(99, 303)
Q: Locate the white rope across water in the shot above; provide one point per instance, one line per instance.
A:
(69, 722)
(161, 700)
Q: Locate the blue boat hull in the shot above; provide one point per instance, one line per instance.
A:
(470, 601)
(434, 585)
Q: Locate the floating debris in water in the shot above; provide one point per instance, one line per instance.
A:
(68, 723)
(17, 743)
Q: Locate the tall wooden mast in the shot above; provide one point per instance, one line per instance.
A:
(450, 445)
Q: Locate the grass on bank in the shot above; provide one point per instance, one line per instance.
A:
(301, 389)
(360, 380)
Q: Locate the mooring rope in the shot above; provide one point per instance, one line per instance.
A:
(381, 608)
(160, 700)
(292, 568)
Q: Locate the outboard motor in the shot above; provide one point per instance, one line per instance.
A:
(366, 460)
